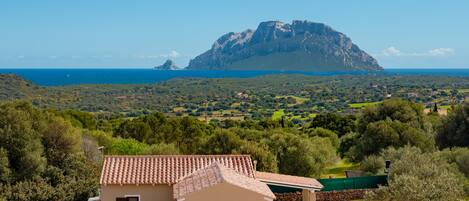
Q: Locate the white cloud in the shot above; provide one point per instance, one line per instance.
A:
(394, 52)
(391, 51)
(173, 54)
(441, 51)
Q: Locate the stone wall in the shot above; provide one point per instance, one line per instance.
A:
(341, 195)
(297, 196)
(346, 195)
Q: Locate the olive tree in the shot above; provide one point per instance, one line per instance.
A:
(419, 176)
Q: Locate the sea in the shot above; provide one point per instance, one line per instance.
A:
(69, 76)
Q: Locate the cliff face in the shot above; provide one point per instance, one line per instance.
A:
(275, 45)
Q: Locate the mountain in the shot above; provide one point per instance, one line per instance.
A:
(13, 87)
(168, 65)
(274, 45)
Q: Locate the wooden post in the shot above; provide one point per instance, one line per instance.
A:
(308, 195)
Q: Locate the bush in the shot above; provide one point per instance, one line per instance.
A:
(459, 157)
(372, 164)
(335, 122)
(127, 147)
(348, 141)
(454, 131)
(5, 172)
(301, 155)
(321, 132)
(394, 123)
(228, 142)
(416, 176)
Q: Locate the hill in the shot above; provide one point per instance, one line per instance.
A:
(274, 45)
(13, 87)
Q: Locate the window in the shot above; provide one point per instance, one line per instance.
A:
(130, 198)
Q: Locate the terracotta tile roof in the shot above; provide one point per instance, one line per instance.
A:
(164, 169)
(214, 174)
(281, 179)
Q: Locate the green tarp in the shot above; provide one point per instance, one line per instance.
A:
(353, 183)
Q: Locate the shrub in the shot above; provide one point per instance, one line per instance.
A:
(372, 164)
(454, 131)
(321, 132)
(419, 176)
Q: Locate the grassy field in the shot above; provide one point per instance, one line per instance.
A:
(312, 115)
(179, 109)
(361, 105)
(338, 169)
(278, 114)
(445, 107)
(299, 100)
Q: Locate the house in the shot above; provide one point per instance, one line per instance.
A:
(192, 178)
(217, 182)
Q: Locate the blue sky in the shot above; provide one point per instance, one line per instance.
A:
(143, 33)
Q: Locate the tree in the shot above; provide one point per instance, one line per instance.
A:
(372, 164)
(321, 132)
(136, 129)
(32, 191)
(454, 131)
(418, 176)
(348, 144)
(19, 135)
(335, 122)
(227, 142)
(222, 142)
(382, 134)
(192, 134)
(80, 119)
(40, 157)
(301, 155)
(60, 140)
(164, 129)
(127, 147)
(266, 161)
(5, 172)
(459, 157)
(394, 123)
(162, 149)
(395, 110)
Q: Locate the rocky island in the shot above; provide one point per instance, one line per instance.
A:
(274, 45)
(167, 65)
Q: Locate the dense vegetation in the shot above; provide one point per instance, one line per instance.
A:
(50, 152)
(41, 157)
(298, 97)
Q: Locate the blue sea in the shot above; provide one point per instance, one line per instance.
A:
(59, 77)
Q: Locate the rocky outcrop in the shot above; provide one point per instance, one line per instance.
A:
(274, 45)
(168, 65)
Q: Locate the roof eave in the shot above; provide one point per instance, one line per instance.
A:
(290, 185)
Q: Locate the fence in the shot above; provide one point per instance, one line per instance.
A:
(353, 183)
